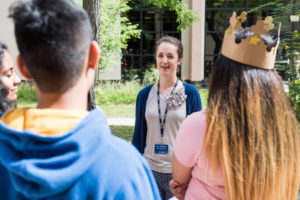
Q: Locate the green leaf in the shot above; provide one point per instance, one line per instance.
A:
(185, 16)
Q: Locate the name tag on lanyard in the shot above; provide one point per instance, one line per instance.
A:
(161, 149)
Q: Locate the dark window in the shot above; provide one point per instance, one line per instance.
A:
(217, 21)
(154, 24)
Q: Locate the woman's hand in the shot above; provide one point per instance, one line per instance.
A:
(178, 189)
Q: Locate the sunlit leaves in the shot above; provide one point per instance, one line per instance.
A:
(185, 16)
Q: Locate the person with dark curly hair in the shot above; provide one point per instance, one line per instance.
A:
(9, 80)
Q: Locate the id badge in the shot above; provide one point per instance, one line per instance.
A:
(161, 148)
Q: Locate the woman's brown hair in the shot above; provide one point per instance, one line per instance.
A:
(252, 133)
(172, 40)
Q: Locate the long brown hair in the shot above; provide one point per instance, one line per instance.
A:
(252, 133)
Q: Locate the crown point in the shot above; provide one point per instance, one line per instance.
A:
(243, 14)
(268, 23)
(239, 20)
(233, 14)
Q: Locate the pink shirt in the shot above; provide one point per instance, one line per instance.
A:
(204, 184)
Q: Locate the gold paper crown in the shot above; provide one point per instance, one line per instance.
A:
(251, 48)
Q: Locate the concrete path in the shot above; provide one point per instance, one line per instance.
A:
(121, 121)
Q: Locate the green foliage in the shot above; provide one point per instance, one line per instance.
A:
(26, 93)
(130, 74)
(78, 2)
(185, 16)
(241, 3)
(204, 97)
(151, 75)
(110, 96)
(257, 9)
(117, 93)
(115, 31)
(291, 44)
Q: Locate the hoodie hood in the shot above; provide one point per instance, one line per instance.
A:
(43, 121)
(41, 166)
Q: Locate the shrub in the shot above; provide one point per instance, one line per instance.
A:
(107, 92)
(26, 93)
(117, 93)
(151, 75)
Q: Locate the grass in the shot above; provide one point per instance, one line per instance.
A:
(115, 99)
(119, 110)
(124, 132)
(26, 93)
(21, 104)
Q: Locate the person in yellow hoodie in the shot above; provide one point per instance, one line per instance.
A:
(59, 150)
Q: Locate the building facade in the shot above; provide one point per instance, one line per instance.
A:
(202, 41)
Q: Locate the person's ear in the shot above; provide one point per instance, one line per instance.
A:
(179, 61)
(22, 68)
(94, 55)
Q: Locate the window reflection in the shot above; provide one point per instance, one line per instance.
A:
(155, 23)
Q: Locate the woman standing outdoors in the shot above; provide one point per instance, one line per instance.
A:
(8, 80)
(246, 145)
(160, 109)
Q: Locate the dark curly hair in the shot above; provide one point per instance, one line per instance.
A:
(4, 102)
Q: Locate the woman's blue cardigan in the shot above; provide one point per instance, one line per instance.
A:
(193, 104)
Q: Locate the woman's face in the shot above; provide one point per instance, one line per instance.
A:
(9, 78)
(167, 59)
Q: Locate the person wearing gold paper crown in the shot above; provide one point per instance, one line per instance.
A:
(245, 146)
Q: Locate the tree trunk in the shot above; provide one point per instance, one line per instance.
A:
(92, 7)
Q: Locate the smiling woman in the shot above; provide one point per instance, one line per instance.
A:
(160, 109)
(8, 79)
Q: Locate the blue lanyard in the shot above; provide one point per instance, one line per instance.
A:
(162, 122)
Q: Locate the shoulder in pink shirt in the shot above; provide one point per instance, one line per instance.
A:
(204, 184)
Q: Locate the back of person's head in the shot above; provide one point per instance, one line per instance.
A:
(53, 38)
(252, 132)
